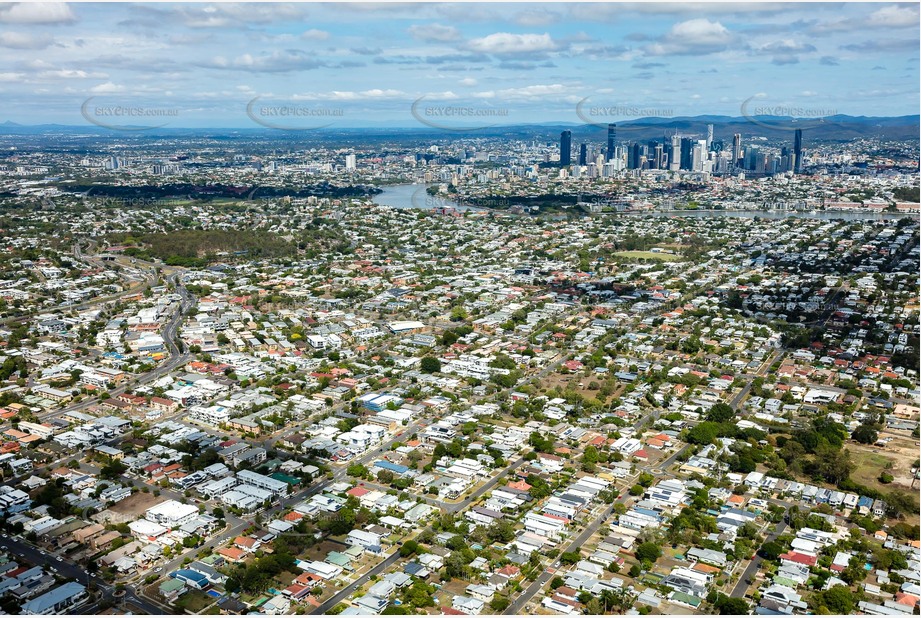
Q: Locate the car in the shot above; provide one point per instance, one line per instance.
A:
(158, 569)
(4, 548)
(59, 559)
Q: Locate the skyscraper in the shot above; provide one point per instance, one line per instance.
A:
(612, 133)
(565, 148)
(687, 157)
(583, 154)
(798, 151)
(709, 136)
(635, 153)
(674, 154)
(736, 148)
(699, 155)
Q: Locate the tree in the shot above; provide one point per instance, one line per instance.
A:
(501, 530)
(865, 434)
(720, 413)
(648, 552)
(570, 557)
(771, 550)
(409, 548)
(589, 458)
(112, 470)
(430, 364)
(357, 471)
(835, 600)
(419, 595)
(731, 606)
(703, 433)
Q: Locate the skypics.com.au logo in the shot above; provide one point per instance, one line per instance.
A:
(597, 111)
(461, 118)
(126, 117)
(760, 110)
(292, 116)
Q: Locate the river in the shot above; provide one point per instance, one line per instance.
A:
(415, 196)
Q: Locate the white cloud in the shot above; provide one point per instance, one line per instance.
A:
(786, 51)
(693, 37)
(434, 32)
(447, 95)
(276, 62)
(505, 43)
(107, 88)
(315, 35)
(349, 95)
(21, 40)
(70, 74)
(527, 92)
(895, 16)
(36, 13)
(535, 17)
(468, 81)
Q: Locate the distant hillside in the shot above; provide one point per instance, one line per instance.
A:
(833, 128)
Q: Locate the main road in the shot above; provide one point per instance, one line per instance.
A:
(518, 604)
(177, 358)
(742, 585)
(34, 555)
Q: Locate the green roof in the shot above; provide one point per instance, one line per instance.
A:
(687, 598)
(355, 551)
(171, 584)
(281, 476)
(338, 559)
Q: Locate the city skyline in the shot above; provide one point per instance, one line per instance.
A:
(452, 66)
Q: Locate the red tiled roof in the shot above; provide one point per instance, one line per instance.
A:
(798, 558)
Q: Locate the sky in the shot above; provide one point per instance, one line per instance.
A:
(303, 66)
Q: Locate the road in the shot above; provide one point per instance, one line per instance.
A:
(742, 585)
(175, 360)
(37, 556)
(575, 546)
(454, 507)
(742, 394)
(449, 507)
(346, 592)
(132, 289)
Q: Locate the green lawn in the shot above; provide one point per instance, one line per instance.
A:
(194, 601)
(867, 468)
(646, 255)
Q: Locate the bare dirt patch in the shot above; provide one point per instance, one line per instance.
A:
(137, 503)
